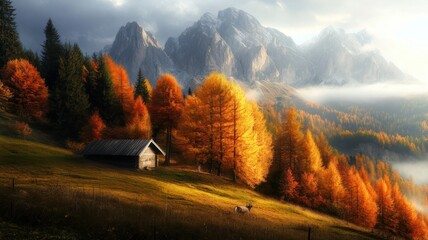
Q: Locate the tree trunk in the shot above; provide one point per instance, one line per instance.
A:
(211, 135)
(234, 140)
(168, 145)
(219, 170)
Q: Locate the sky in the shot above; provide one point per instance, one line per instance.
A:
(399, 27)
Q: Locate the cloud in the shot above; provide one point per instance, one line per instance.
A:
(413, 169)
(363, 93)
(398, 27)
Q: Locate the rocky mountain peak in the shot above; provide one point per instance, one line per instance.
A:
(343, 58)
(133, 33)
(236, 44)
(136, 48)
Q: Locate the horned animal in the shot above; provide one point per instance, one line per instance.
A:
(244, 209)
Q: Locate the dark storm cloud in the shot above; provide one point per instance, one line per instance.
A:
(93, 24)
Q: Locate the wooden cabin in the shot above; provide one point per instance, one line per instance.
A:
(138, 153)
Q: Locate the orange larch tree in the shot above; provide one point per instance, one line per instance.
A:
(361, 208)
(123, 89)
(30, 94)
(387, 217)
(215, 95)
(407, 219)
(309, 194)
(139, 125)
(165, 108)
(192, 131)
(220, 126)
(326, 151)
(288, 186)
(288, 144)
(94, 129)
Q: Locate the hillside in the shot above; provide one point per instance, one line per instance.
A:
(60, 195)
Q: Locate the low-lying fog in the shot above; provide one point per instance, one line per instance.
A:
(363, 93)
(418, 170)
(369, 94)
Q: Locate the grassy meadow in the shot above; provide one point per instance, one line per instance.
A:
(47, 192)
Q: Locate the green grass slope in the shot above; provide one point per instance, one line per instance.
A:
(58, 195)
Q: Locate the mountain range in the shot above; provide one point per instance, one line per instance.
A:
(236, 44)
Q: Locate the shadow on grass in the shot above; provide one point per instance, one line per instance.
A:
(356, 231)
(167, 174)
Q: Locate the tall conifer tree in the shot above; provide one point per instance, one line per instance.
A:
(141, 88)
(10, 46)
(71, 102)
(51, 53)
(105, 100)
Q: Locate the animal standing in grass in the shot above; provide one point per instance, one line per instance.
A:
(244, 209)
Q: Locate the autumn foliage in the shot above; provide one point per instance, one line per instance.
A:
(313, 174)
(222, 131)
(165, 108)
(123, 89)
(5, 94)
(225, 131)
(22, 129)
(94, 129)
(139, 125)
(29, 92)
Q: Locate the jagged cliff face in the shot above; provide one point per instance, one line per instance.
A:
(236, 44)
(339, 58)
(136, 48)
(200, 49)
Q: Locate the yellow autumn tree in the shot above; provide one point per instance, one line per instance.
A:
(264, 153)
(192, 131)
(311, 157)
(288, 144)
(243, 141)
(214, 94)
(255, 163)
(220, 127)
(331, 186)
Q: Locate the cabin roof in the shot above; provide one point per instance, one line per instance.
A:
(121, 147)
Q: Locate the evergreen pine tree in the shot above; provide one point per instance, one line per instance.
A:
(71, 103)
(105, 100)
(91, 81)
(51, 53)
(141, 88)
(32, 57)
(189, 92)
(10, 46)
